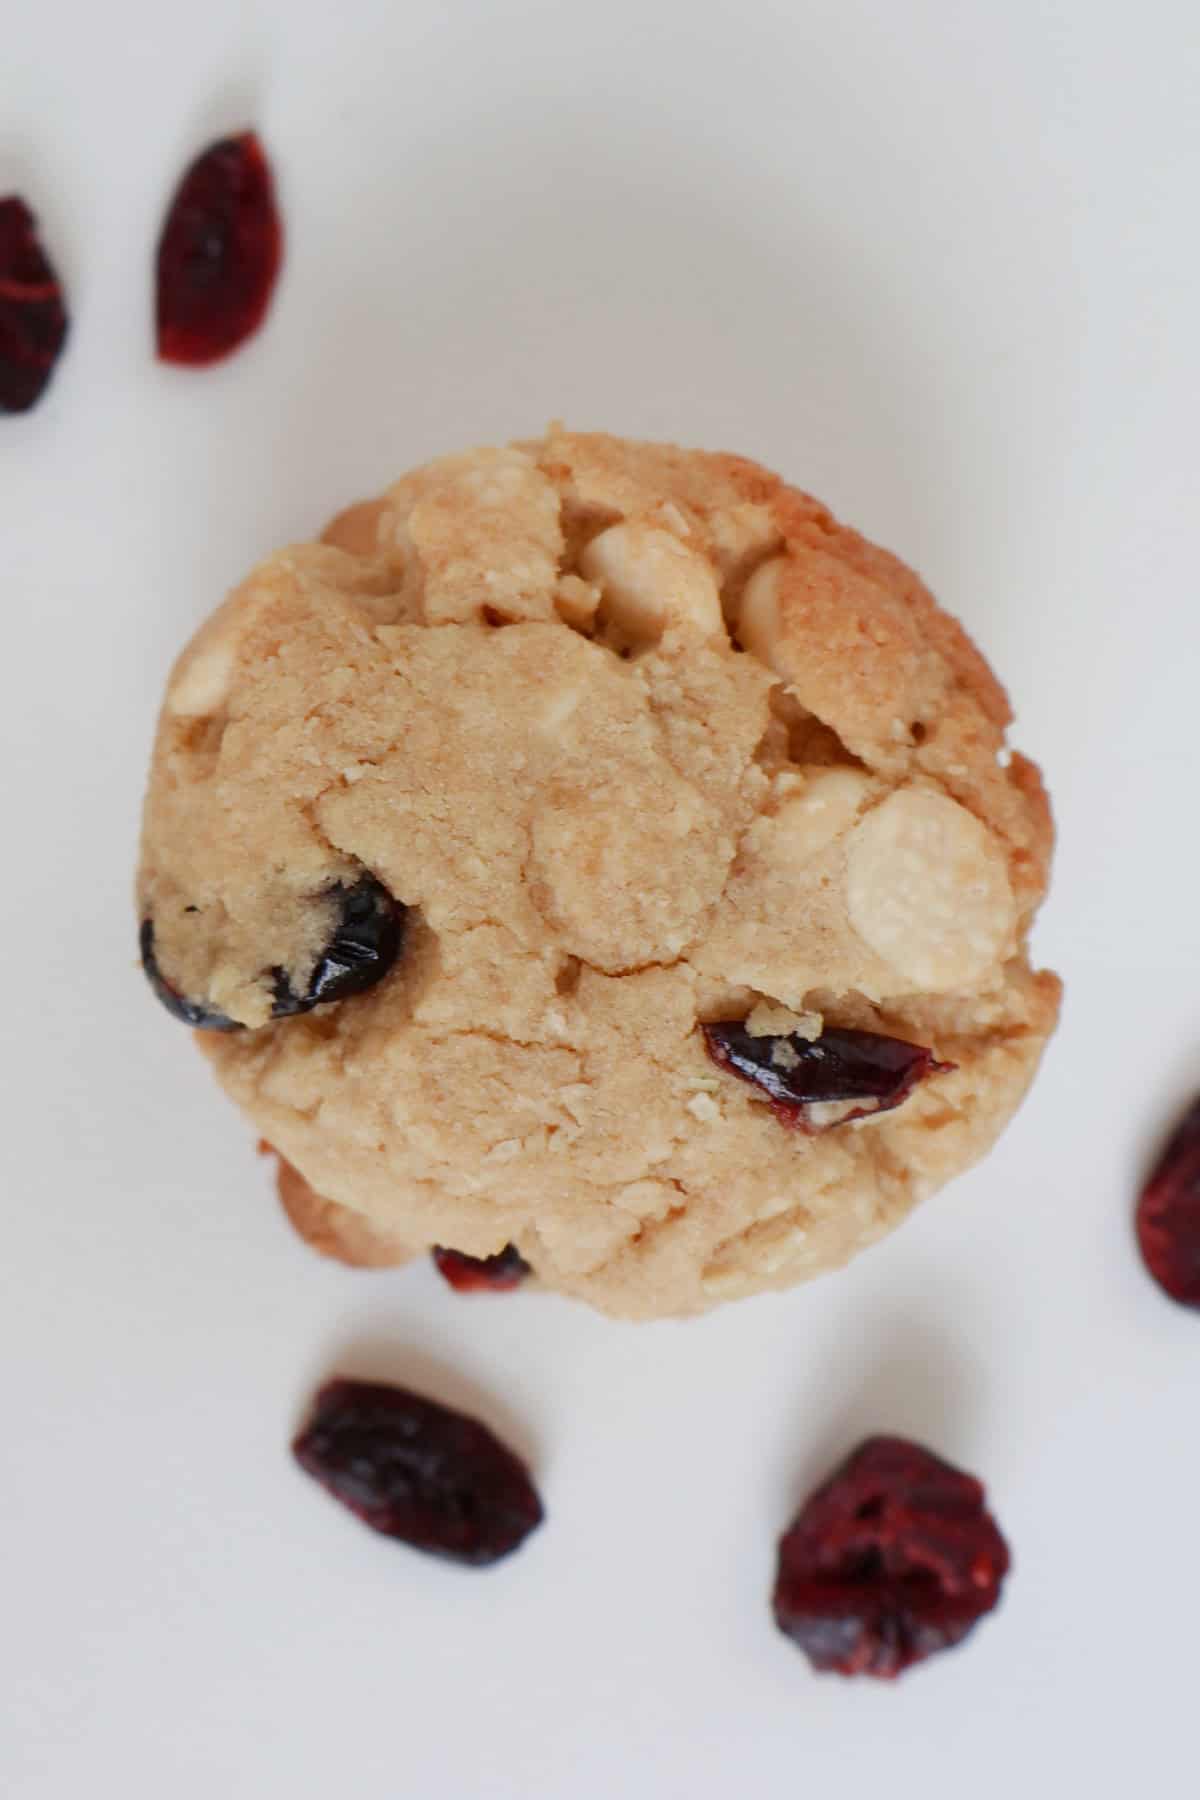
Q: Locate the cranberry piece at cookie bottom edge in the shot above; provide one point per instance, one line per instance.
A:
(498, 1274)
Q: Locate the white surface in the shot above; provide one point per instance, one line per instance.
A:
(938, 262)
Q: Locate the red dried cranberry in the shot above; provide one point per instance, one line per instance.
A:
(33, 319)
(219, 253)
(797, 1072)
(192, 1012)
(478, 1274)
(367, 939)
(894, 1558)
(414, 1470)
(1168, 1213)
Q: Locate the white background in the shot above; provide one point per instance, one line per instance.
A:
(936, 261)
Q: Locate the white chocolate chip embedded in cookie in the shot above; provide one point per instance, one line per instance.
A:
(517, 898)
(202, 686)
(759, 622)
(576, 601)
(928, 890)
(201, 679)
(649, 580)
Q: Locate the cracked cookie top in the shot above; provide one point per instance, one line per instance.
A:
(465, 821)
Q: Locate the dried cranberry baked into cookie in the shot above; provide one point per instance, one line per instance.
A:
(594, 847)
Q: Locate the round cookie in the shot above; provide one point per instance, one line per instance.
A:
(571, 848)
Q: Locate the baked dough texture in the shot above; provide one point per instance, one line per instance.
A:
(640, 738)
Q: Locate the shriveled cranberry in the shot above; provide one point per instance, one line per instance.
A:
(219, 253)
(367, 938)
(797, 1073)
(1168, 1213)
(894, 1558)
(33, 319)
(478, 1274)
(415, 1470)
(192, 1012)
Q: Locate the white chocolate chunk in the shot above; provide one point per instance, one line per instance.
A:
(575, 602)
(650, 580)
(204, 683)
(758, 627)
(928, 890)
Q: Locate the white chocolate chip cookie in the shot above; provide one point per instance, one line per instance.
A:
(593, 846)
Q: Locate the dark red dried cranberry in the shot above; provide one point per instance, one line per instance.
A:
(797, 1072)
(414, 1470)
(219, 253)
(895, 1558)
(366, 941)
(477, 1274)
(33, 319)
(1168, 1213)
(367, 938)
(192, 1012)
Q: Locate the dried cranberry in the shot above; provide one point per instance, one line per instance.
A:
(219, 253)
(477, 1274)
(415, 1470)
(1168, 1213)
(367, 939)
(192, 1012)
(840, 1065)
(895, 1558)
(33, 319)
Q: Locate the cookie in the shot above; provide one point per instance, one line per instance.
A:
(596, 847)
